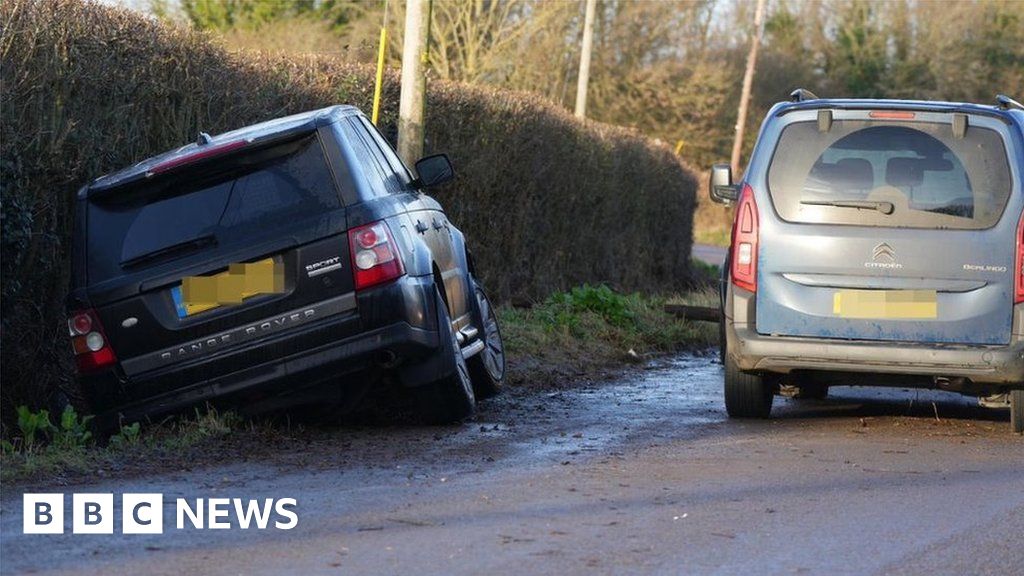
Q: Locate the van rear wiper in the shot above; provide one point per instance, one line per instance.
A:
(184, 246)
(880, 205)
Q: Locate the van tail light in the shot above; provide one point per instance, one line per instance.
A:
(892, 114)
(744, 242)
(1018, 268)
(93, 351)
(374, 255)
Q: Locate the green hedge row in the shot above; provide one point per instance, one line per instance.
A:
(546, 201)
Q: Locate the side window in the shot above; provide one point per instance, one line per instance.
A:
(367, 156)
(396, 163)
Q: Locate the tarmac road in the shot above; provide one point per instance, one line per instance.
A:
(709, 254)
(639, 475)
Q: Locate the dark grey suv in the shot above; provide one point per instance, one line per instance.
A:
(293, 261)
(877, 237)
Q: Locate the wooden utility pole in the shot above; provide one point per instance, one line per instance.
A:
(748, 82)
(410, 106)
(588, 46)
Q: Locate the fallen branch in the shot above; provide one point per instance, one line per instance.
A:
(696, 313)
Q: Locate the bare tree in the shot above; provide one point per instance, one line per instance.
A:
(474, 39)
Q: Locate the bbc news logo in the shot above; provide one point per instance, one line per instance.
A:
(144, 513)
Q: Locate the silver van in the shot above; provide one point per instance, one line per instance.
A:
(876, 242)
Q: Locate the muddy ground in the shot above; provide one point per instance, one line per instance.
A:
(641, 473)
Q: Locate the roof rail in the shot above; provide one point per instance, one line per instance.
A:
(1005, 102)
(799, 95)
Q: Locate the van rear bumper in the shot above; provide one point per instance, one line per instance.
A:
(1000, 365)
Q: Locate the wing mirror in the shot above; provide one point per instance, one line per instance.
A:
(721, 189)
(433, 171)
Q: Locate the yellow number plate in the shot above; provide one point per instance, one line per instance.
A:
(885, 304)
(241, 281)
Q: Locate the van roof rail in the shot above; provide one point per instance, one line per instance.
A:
(1005, 102)
(799, 95)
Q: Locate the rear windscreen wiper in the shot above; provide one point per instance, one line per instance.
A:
(185, 246)
(961, 210)
(880, 205)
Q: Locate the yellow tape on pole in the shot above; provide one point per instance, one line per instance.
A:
(380, 75)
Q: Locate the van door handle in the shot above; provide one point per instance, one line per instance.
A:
(421, 227)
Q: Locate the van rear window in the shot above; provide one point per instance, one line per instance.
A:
(891, 174)
(243, 198)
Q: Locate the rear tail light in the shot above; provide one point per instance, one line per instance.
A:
(374, 255)
(744, 241)
(1018, 269)
(92, 350)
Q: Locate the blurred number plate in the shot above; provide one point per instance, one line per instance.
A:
(885, 304)
(198, 294)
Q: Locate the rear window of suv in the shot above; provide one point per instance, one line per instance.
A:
(244, 197)
(891, 174)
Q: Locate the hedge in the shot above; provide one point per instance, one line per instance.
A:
(546, 201)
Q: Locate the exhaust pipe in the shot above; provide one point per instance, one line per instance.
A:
(386, 359)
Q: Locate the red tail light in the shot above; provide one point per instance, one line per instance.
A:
(744, 241)
(374, 255)
(92, 350)
(1018, 269)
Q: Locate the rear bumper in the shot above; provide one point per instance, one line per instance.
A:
(992, 365)
(981, 364)
(310, 359)
(291, 375)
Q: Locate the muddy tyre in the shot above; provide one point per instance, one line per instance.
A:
(746, 395)
(449, 399)
(487, 368)
(1017, 411)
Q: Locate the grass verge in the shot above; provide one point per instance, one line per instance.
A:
(591, 330)
(50, 453)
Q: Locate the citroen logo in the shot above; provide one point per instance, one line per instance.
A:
(883, 252)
